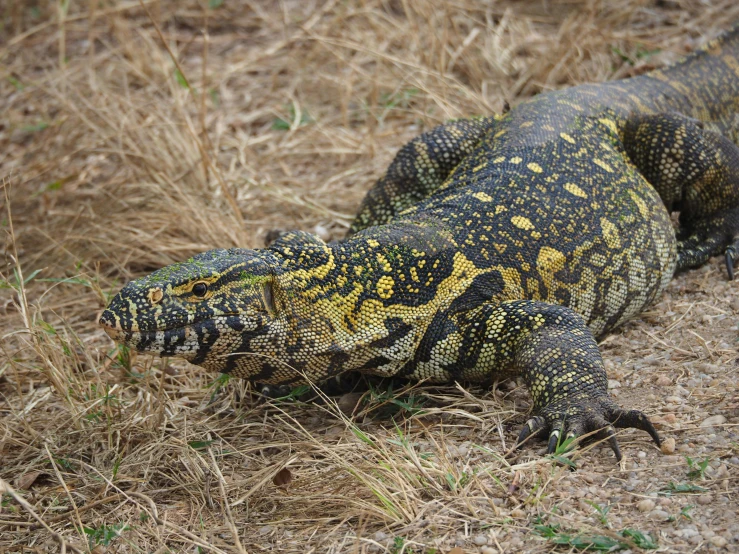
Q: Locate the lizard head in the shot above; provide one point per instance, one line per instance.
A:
(214, 310)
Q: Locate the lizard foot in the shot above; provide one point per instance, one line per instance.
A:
(573, 418)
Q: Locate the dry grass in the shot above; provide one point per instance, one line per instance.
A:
(282, 114)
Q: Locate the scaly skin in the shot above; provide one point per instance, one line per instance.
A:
(494, 245)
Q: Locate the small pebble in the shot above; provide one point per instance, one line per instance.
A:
(488, 550)
(663, 381)
(668, 446)
(480, 540)
(380, 536)
(704, 499)
(348, 402)
(713, 420)
(659, 515)
(645, 505)
(322, 231)
(719, 541)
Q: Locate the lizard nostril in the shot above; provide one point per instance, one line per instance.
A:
(155, 295)
(107, 320)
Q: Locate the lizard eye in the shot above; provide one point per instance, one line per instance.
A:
(200, 289)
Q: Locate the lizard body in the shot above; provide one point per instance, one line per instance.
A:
(502, 244)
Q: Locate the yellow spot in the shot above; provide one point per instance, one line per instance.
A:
(499, 159)
(382, 260)
(134, 312)
(639, 203)
(373, 243)
(483, 197)
(572, 188)
(479, 167)
(550, 260)
(610, 233)
(385, 287)
(603, 164)
(567, 137)
(535, 167)
(731, 62)
(526, 124)
(500, 209)
(414, 274)
(610, 124)
(516, 160)
(499, 133)
(522, 222)
(321, 271)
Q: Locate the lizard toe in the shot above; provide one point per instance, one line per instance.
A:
(595, 418)
(635, 419)
(536, 427)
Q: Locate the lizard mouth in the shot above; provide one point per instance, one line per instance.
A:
(182, 340)
(115, 331)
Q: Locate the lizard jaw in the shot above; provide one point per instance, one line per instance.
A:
(183, 342)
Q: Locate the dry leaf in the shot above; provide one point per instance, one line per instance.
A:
(283, 477)
(25, 481)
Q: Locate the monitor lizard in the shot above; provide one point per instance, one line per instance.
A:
(492, 246)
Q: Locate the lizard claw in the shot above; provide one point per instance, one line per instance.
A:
(584, 416)
(536, 427)
(730, 257)
(555, 436)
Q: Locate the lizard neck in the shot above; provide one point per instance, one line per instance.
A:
(365, 303)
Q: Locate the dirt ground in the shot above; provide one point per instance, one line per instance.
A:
(134, 134)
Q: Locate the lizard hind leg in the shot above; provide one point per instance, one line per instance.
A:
(695, 172)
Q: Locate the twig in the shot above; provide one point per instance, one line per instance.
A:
(86, 507)
(226, 506)
(5, 488)
(207, 162)
(66, 489)
(166, 46)
(41, 26)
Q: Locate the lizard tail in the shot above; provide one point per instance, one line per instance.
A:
(705, 84)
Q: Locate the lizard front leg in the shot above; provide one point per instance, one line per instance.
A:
(552, 347)
(419, 168)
